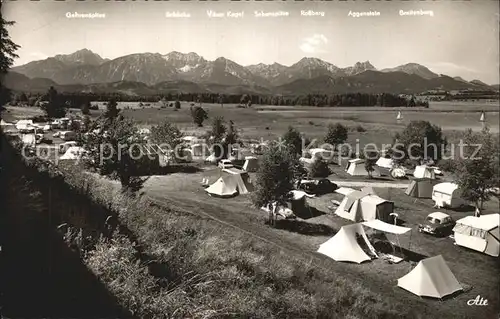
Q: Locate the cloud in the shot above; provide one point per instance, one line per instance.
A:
(314, 44)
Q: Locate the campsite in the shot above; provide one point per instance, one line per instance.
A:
(224, 195)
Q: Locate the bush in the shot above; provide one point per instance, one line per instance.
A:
(319, 168)
(360, 129)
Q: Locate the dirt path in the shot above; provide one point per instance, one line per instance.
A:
(372, 184)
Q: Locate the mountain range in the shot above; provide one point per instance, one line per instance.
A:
(153, 73)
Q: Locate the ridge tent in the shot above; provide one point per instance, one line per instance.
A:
(356, 167)
(321, 153)
(384, 166)
(199, 149)
(424, 171)
(24, 124)
(363, 206)
(430, 278)
(447, 194)
(240, 178)
(251, 164)
(73, 153)
(479, 233)
(420, 188)
(344, 246)
(225, 186)
(211, 159)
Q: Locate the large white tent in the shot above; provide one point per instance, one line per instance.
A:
(344, 245)
(363, 206)
(430, 278)
(447, 194)
(232, 182)
(424, 171)
(384, 166)
(356, 167)
(479, 233)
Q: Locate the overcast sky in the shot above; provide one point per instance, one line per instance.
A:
(461, 39)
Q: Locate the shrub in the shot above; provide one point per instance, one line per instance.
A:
(319, 168)
(360, 129)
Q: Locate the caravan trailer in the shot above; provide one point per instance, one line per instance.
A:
(68, 135)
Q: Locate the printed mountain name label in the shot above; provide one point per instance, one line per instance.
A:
(229, 14)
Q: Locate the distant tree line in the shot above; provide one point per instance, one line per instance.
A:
(77, 100)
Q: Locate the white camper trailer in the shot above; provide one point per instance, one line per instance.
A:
(479, 233)
(447, 195)
(67, 135)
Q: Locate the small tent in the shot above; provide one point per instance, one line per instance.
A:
(363, 206)
(241, 178)
(384, 166)
(447, 194)
(199, 149)
(430, 278)
(73, 153)
(211, 159)
(479, 233)
(420, 188)
(251, 164)
(298, 202)
(24, 124)
(225, 186)
(29, 139)
(321, 153)
(344, 246)
(356, 167)
(424, 171)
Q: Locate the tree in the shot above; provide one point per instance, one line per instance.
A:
(220, 99)
(7, 48)
(199, 115)
(231, 137)
(86, 108)
(478, 172)
(177, 104)
(112, 110)
(278, 170)
(319, 168)
(336, 135)
(293, 140)
(370, 159)
(116, 152)
(244, 99)
(420, 140)
(54, 107)
(167, 133)
(217, 135)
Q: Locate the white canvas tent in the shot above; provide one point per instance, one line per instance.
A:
(211, 159)
(73, 153)
(344, 245)
(447, 194)
(232, 182)
(420, 188)
(356, 167)
(225, 186)
(384, 166)
(24, 124)
(29, 139)
(424, 171)
(479, 233)
(430, 278)
(363, 206)
(321, 153)
(251, 164)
